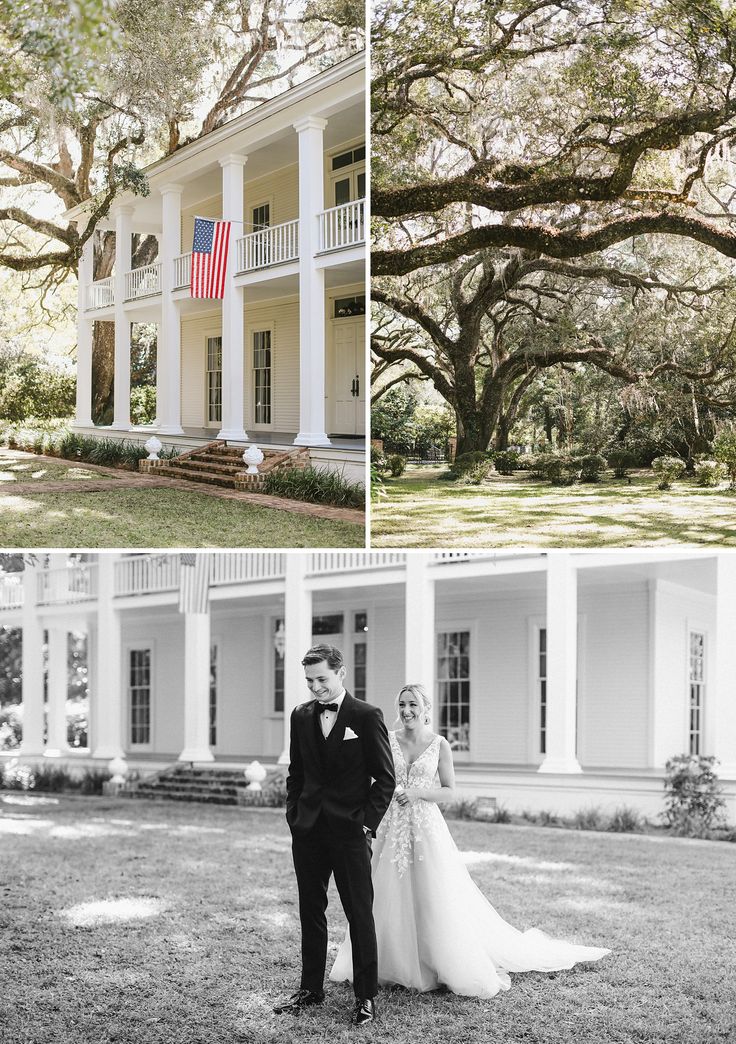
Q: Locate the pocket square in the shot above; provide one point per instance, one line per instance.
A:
(349, 734)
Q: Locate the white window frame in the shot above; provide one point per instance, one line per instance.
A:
(448, 627)
(268, 328)
(130, 648)
(695, 627)
(216, 644)
(350, 172)
(272, 712)
(535, 624)
(208, 336)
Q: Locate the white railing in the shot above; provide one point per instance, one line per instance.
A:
(269, 246)
(463, 556)
(11, 591)
(142, 282)
(344, 561)
(235, 567)
(141, 574)
(76, 583)
(342, 226)
(182, 270)
(101, 293)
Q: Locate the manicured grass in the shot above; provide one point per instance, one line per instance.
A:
(16, 466)
(160, 518)
(206, 937)
(518, 511)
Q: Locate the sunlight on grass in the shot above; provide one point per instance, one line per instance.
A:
(23, 826)
(593, 905)
(112, 911)
(471, 858)
(27, 799)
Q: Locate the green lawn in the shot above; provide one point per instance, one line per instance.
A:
(518, 511)
(160, 518)
(132, 923)
(16, 466)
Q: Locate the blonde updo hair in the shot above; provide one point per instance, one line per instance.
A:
(420, 695)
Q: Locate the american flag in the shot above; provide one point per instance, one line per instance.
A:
(209, 257)
(194, 583)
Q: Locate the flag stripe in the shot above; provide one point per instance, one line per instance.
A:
(194, 583)
(209, 258)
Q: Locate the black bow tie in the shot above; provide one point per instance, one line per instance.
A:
(328, 706)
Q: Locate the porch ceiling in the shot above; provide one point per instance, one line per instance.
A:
(698, 573)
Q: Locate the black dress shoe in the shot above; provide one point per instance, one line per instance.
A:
(301, 999)
(364, 1011)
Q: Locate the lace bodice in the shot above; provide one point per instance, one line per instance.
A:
(405, 827)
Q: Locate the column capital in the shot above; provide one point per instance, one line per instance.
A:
(122, 210)
(233, 160)
(310, 123)
(171, 188)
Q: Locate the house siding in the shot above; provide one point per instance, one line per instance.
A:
(194, 332)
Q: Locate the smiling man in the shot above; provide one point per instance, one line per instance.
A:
(339, 785)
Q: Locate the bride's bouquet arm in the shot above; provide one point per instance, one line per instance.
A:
(446, 771)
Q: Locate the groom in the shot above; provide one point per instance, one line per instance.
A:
(339, 785)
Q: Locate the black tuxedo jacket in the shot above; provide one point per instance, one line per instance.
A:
(351, 781)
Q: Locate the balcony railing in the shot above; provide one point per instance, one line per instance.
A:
(182, 270)
(11, 591)
(342, 226)
(346, 561)
(235, 567)
(101, 293)
(143, 282)
(76, 583)
(269, 246)
(143, 575)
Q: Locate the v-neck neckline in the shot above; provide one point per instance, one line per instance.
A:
(409, 765)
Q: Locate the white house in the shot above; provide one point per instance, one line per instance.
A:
(280, 360)
(562, 680)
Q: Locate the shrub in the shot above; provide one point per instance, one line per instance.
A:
(471, 467)
(271, 795)
(592, 467)
(536, 464)
(724, 450)
(693, 801)
(378, 486)
(465, 808)
(54, 780)
(16, 776)
(11, 727)
(709, 472)
(588, 819)
(668, 469)
(92, 781)
(621, 460)
(316, 485)
(561, 469)
(143, 404)
(506, 461)
(625, 820)
(547, 818)
(378, 459)
(396, 465)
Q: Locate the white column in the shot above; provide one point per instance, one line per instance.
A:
(562, 642)
(123, 262)
(32, 667)
(297, 639)
(232, 306)
(720, 705)
(85, 331)
(311, 286)
(196, 688)
(58, 686)
(168, 352)
(419, 626)
(106, 698)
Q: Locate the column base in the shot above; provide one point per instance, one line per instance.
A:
(120, 425)
(82, 422)
(564, 765)
(31, 752)
(196, 754)
(108, 753)
(231, 435)
(284, 758)
(168, 429)
(312, 439)
(54, 752)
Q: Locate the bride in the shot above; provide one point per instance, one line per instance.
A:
(433, 925)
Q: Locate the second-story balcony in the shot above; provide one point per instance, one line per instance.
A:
(101, 293)
(182, 270)
(143, 282)
(342, 226)
(268, 246)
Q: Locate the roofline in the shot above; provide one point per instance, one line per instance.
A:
(341, 71)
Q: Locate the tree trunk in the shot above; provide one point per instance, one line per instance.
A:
(103, 372)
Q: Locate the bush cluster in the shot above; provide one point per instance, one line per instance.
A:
(693, 795)
(621, 460)
(316, 485)
(668, 469)
(471, 467)
(51, 779)
(709, 473)
(59, 441)
(506, 462)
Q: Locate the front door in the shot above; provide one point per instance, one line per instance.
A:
(348, 353)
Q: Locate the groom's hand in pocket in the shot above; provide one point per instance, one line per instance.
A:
(369, 837)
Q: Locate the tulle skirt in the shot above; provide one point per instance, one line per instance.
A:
(435, 927)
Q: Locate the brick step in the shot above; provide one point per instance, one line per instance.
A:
(158, 788)
(233, 779)
(191, 475)
(207, 465)
(178, 795)
(229, 461)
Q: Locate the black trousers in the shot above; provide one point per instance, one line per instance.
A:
(318, 855)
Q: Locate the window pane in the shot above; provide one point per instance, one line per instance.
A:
(327, 624)
(453, 684)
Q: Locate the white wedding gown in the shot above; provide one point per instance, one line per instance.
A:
(434, 926)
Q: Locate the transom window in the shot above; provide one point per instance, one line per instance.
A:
(453, 687)
(345, 307)
(697, 691)
(139, 696)
(346, 159)
(262, 376)
(214, 380)
(348, 176)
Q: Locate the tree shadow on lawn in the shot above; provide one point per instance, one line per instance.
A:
(211, 936)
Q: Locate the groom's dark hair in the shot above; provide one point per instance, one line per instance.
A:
(331, 655)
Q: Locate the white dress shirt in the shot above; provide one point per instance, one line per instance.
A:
(327, 719)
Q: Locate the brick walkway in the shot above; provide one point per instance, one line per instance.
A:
(133, 480)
